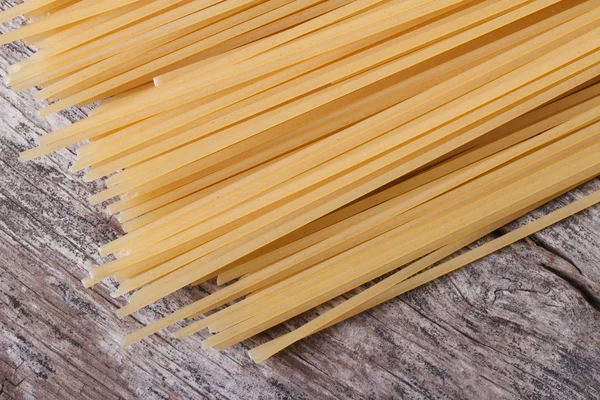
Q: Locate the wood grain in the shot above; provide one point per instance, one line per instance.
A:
(522, 323)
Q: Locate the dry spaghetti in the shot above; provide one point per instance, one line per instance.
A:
(299, 149)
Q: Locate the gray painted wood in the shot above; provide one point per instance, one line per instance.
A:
(522, 323)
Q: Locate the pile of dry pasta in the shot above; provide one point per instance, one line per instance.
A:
(298, 149)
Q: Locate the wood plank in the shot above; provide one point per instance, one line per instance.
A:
(522, 323)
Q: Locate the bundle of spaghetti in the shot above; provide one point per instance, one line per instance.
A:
(79, 65)
(160, 55)
(288, 91)
(239, 221)
(447, 184)
(125, 117)
(308, 157)
(131, 178)
(297, 150)
(555, 109)
(343, 272)
(518, 130)
(398, 284)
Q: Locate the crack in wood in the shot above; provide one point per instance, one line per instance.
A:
(557, 252)
(584, 288)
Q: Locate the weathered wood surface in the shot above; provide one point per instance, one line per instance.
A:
(522, 323)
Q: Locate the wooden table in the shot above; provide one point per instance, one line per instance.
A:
(522, 323)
